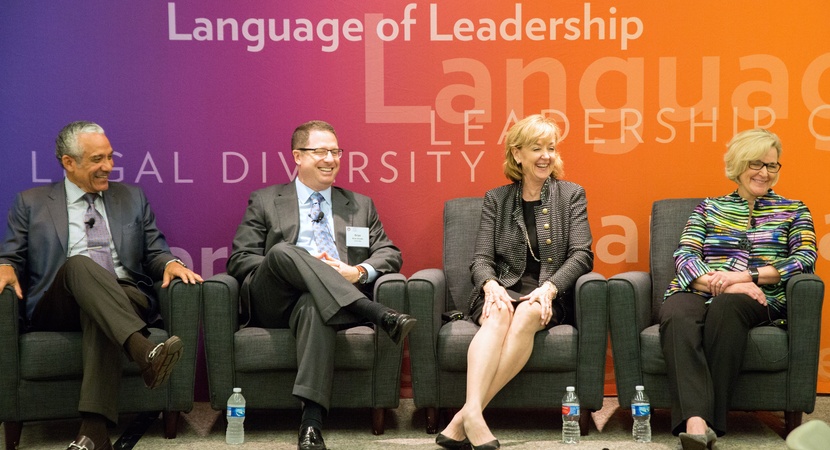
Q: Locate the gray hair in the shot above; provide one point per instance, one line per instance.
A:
(67, 140)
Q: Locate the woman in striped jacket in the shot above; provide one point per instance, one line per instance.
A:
(735, 255)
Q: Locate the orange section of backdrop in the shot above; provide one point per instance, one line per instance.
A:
(648, 114)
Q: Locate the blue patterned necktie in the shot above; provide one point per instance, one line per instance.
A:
(97, 235)
(322, 235)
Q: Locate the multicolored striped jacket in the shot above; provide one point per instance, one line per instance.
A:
(721, 236)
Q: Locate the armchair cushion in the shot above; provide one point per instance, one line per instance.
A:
(766, 351)
(263, 349)
(40, 350)
(554, 350)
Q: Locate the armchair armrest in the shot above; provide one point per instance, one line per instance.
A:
(180, 305)
(805, 295)
(390, 290)
(591, 304)
(427, 298)
(220, 319)
(9, 356)
(629, 307)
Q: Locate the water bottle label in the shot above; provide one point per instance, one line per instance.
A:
(640, 410)
(236, 411)
(570, 410)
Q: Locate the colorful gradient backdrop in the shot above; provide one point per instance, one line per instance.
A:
(421, 97)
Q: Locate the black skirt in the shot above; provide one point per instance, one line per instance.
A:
(524, 286)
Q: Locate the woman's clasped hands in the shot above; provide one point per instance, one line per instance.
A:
(727, 282)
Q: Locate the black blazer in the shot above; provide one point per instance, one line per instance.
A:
(562, 230)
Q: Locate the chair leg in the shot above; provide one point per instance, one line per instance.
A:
(171, 423)
(13, 431)
(432, 420)
(584, 422)
(792, 419)
(378, 417)
(445, 416)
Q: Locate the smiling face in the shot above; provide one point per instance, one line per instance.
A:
(535, 160)
(753, 183)
(92, 172)
(315, 172)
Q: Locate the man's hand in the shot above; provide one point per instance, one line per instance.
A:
(9, 278)
(350, 273)
(175, 270)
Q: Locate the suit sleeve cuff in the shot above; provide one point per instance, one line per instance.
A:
(371, 273)
(175, 260)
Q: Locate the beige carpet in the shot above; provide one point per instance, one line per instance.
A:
(203, 428)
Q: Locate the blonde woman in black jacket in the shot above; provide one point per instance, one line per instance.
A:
(533, 243)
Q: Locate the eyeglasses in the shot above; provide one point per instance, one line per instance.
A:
(323, 152)
(772, 167)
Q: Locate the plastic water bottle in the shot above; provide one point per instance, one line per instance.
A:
(641, 412)
(235, 434)
(570, 417)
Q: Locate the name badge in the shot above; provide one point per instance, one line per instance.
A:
(357, 237)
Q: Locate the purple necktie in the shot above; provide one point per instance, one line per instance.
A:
(322, 235)
(97, 235)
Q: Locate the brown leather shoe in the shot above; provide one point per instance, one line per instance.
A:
(161, 360)
(81, 443)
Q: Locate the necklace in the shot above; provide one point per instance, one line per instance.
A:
(527, 239)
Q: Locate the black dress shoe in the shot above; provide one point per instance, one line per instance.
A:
(81, 443)
(450, 443)
(397, 325)
(310, 439)
(492, 445)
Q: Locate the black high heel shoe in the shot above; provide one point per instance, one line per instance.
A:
(450, 443)
(492, 445)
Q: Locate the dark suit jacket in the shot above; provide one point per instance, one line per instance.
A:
(564, 246)
(38, 231)
(273, 216)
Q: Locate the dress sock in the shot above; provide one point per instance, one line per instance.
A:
(94, 426)
(312, 415)
(138, 347)
(369, 310)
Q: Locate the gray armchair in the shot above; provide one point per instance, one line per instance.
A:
(263, 361)
(779, 370)
(41, 375)
(562, 356)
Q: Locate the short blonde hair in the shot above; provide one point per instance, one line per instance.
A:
(526, 132)
(748, 146)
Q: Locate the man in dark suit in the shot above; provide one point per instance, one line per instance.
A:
(295, 273)
(85, 252)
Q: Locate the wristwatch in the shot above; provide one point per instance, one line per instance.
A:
(753, 272)
(363, 277)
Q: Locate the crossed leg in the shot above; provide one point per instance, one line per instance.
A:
(499, 350)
